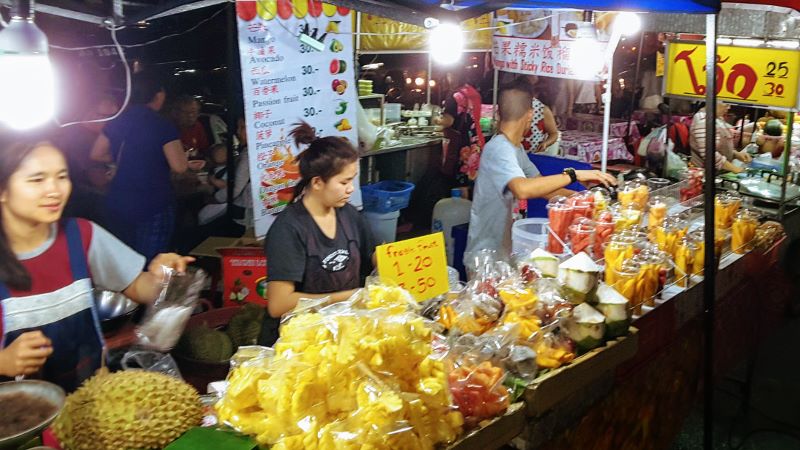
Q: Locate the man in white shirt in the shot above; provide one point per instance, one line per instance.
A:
(506, 174)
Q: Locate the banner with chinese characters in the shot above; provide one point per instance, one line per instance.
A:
(745, 75)
(542, 57)
(285, 81)
(387, 34)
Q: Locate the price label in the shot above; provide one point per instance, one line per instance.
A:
(745, 75)
(418, 265)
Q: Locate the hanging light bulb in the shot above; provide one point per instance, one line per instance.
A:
(586, 55)
(627, 23)
(27, 84)
(446, 43)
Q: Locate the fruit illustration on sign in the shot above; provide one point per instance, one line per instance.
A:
(338, 66)
(300, 8)
(266, 9)
(284, 9)
(261, 287)
(328, 9)
(341, 108)
(343, 125)
(339, 86)
(246, 10)
(333, 26)
(336, 46)
(314, 8)
(343, 11)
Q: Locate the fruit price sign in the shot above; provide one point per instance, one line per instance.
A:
(745, 75)
(418, 265)
(297, 64)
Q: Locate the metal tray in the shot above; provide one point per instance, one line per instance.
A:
(36, 388)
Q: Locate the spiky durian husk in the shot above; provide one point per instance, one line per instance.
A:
(132, 409)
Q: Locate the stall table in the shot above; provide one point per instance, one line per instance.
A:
(594, 123)
(587, 146)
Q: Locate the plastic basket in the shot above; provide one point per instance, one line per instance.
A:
(386, 196)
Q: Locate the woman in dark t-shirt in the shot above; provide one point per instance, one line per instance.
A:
(319, 246)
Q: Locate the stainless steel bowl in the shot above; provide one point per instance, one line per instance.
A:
(113, 309)
(35, 388)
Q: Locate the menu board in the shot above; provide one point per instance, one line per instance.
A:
(297, 64)
(756, 76)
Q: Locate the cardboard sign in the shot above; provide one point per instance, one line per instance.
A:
(745, 75)
(418, 265)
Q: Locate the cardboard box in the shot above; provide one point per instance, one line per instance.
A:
(244, 268)
(244, 273)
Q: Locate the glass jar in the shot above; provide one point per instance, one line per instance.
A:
(726, 205)
(604, 228)
(647, 281)
(625, 283)
(655, 184)
(581, 236)
(615, 253)
(602, 200)
(743, 231)
(626, 218)
(684, 261)
(669, 233)
(634, 194)
(559, 214)
(656, 212)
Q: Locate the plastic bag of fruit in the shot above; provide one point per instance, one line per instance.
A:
(346, 377)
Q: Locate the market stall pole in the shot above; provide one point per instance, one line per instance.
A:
(786, 155)
(709, 262)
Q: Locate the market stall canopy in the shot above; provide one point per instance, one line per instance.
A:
(792, 4)
(416, 11)
(735, 19)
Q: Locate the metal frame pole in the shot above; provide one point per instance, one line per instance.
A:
(786, 153)
(635, 87)
(710, 263)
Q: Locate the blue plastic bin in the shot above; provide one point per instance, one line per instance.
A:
(550, 165)
(386, 196)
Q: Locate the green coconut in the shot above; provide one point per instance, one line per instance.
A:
(586, 327)
(545, 262)
(580, 276)
(614, 306)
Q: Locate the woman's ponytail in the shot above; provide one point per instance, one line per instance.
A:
(325, 157)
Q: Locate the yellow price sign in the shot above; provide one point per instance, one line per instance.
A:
(745, 75)
(418, 265)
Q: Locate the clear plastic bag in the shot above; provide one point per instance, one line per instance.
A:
(345, 377)
(151, 361)
(166, 318)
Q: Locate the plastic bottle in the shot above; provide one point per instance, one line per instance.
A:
(448, 213)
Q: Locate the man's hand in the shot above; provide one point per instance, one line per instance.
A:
(743, 156)
(26, 355)
(596, 176)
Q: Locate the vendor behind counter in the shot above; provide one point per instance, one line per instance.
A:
(319, 246)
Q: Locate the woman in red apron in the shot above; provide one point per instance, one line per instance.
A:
(49, 267)
(320, 245)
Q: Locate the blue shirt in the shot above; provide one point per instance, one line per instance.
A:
(142, 185)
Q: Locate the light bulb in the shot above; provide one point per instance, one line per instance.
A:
(27, 84)
(628, 23)
(446, 43)
(27, 91)
(419, 81)
(586, 58)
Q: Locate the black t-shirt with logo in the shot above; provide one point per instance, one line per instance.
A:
(298, 251)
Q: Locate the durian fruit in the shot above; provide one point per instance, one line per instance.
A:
(131, 410)
(206, 344)
(245, 326)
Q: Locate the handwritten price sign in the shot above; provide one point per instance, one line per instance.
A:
(745, 75)
(418, 265)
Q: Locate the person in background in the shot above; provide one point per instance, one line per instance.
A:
(49, 266)
(89, 178)
(507, 174)
(725, 150)
(145, 149)
(319, 246)
(543, 132)
(185, 113)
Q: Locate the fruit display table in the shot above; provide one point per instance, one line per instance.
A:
(587, 146)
